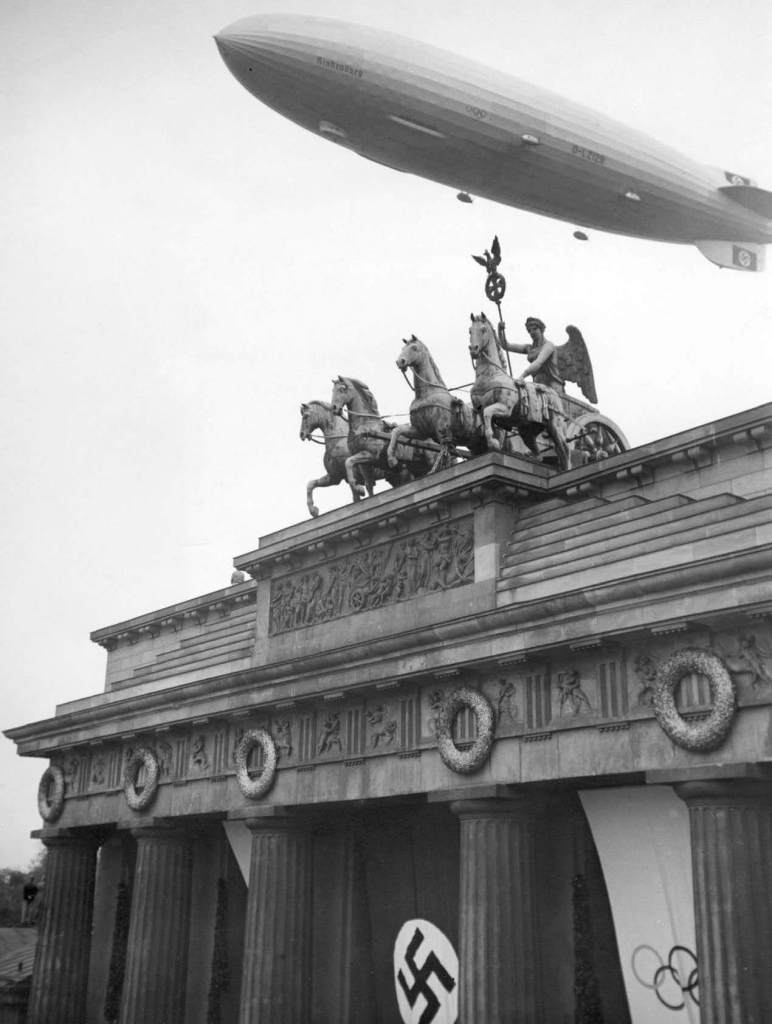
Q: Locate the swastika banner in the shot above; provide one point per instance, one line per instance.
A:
(425, 974)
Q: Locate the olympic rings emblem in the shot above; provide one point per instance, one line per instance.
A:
(666, 979)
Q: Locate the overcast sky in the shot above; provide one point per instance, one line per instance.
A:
(182, 267)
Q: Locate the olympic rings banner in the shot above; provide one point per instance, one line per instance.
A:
(643, 841)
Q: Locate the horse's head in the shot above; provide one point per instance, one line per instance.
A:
(305, 426)
(313, 415)
(353, 394)
(412, 350)
(480, 335)
(342, 394)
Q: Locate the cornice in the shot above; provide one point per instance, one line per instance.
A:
(175, 617)
(299, 678)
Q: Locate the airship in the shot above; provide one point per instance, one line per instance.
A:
(419, 109)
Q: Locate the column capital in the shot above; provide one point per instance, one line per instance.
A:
(701, 792)
(513, 805)
(171, 831)
(70, 836)
(284, 823)
(736, 772)
(273, 818)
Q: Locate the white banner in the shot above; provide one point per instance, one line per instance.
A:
(240, 839)
(643, 841)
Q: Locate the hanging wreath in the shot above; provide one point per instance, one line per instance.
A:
(253, 789)
(140, 757)
(712, 732)
(465, 761)
(51, 793)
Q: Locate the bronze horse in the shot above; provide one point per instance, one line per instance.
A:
(530, 408)
(318, 415)
(368, 440)
(434, 412)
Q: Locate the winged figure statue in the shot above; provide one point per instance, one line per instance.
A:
(573, 363)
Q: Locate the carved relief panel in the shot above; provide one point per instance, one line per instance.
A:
(504, 693)
(434, 560)
(747, 654)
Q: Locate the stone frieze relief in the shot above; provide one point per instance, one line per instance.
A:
(423, 563)
(572, 698)
(532, 699)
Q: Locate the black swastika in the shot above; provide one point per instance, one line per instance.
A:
(421, 975)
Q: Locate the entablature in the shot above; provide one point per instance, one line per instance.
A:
(382, 669)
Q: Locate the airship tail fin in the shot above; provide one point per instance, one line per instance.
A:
(734, 255)
(752, 198)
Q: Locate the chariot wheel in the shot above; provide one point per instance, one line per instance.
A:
(596, 437)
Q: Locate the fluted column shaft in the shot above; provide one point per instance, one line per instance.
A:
(157, 951)
(276, 977)
(731, 831)
(498, 932)
(60, 975)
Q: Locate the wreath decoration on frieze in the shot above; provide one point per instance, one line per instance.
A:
(712, 732)
(465, 761)
(141, 757)
(253, 789)
(51, 793)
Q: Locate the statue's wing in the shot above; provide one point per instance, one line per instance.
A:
(481, 260)
(496, 249)
(574, 363)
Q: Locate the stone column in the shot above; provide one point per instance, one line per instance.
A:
(276, 975)
(60, 976)
(499, 960)
(157, 953)
(731, 830)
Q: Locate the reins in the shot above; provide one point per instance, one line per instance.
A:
(430, 383)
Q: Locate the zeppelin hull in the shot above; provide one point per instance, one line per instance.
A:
(418, 109)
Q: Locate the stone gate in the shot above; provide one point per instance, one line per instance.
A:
(450, 703)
